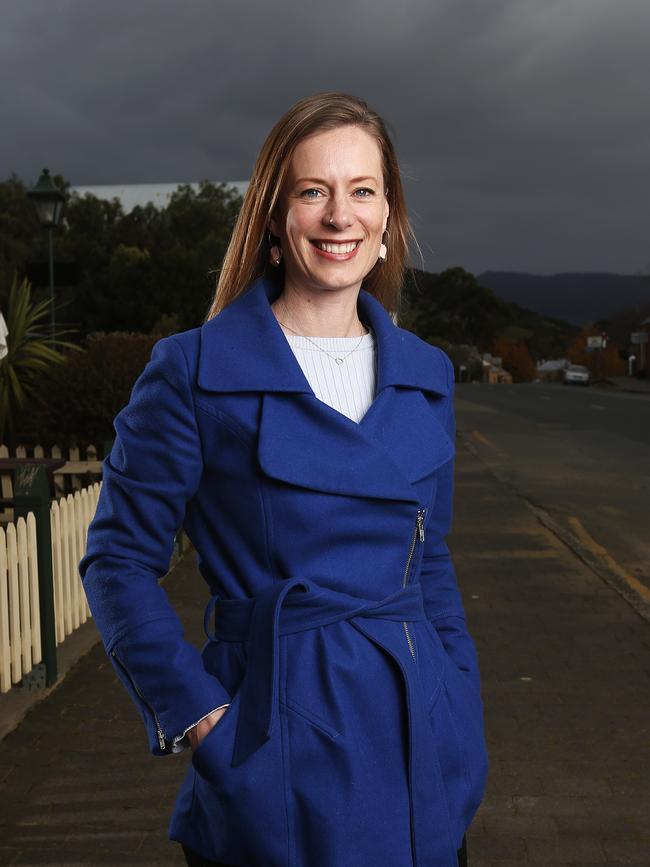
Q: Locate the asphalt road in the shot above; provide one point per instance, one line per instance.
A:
(582, 455)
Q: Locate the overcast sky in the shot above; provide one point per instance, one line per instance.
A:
(522, 126)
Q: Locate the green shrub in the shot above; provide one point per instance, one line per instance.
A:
(78, 400)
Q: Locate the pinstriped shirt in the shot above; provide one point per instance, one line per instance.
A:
(348, 387)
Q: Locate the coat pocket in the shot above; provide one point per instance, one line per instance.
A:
(457, 721)
(310, 717)
(452, 756)
(245, 803)
(212, 756)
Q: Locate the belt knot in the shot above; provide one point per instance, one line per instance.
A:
(276, 611)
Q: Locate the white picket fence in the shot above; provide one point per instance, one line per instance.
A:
(20, 628)
(67, 479)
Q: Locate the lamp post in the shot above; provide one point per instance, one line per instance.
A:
(48, 201)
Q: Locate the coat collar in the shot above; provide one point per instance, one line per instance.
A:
(243, 348)
(302, 440)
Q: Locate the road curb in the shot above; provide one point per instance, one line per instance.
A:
(592, 560)
(609, 385)
(595, 563)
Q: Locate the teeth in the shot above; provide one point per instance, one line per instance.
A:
(337, 248)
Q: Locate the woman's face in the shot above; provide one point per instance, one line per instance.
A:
(333, 176)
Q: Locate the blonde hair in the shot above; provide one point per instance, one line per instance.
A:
(247, 256)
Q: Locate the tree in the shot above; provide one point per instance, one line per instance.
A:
(29, 354)
(80, 398)
(515, 358)
(132, 269)
(601, 362)
(18, 229)
(452, 306)
(151, 262)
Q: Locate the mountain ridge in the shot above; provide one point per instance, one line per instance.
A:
(578, 297)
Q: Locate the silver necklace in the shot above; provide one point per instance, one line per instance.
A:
(337, 358)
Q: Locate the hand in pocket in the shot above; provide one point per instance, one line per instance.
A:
(201, 729)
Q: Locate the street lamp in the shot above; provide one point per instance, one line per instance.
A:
(48, 201)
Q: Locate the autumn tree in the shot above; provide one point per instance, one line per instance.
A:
(515, 358)
(601, 362)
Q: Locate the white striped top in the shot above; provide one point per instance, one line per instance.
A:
(348, 387)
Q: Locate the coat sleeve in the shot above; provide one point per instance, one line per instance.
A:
(153, 469)
(442, 598)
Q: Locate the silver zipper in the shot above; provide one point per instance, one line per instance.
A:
(161, 735)
(418, 530)
(181, 736)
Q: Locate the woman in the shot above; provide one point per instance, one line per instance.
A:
(306, 445)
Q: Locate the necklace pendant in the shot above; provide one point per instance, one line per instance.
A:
(339, 360)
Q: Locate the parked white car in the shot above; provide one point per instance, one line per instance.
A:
(576, 374)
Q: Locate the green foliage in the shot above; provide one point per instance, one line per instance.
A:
(30, 354)
(141, 275)
(132, 268)
(80, 398)
(137, 267)
(18, 228)
(545, 336)
(451, 309)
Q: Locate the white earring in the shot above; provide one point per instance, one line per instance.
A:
(382, 252)
(275, 253)
(382, 249)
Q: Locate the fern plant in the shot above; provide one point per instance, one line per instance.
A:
(30, 352)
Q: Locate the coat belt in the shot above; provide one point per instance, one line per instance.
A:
(277, 611)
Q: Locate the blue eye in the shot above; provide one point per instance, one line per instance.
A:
(306, 194)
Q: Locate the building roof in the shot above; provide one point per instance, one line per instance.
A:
(553, 364)
(132, 195)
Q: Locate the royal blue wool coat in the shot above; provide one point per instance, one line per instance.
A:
(334, 622)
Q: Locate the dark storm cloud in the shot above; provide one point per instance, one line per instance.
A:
(521, 125)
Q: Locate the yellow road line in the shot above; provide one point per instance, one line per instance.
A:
(483, 439)
(589, 542)
(507, 554)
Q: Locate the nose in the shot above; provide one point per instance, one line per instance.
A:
(339, 214)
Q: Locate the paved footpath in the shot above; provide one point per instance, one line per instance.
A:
(565, 665)
(565, 671)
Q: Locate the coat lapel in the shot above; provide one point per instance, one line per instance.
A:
(304, 441)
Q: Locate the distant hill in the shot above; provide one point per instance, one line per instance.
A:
(578, 298)
(455, 308)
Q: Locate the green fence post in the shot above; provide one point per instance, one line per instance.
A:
(32, 494)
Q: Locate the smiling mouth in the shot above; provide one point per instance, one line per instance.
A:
(337, 249)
